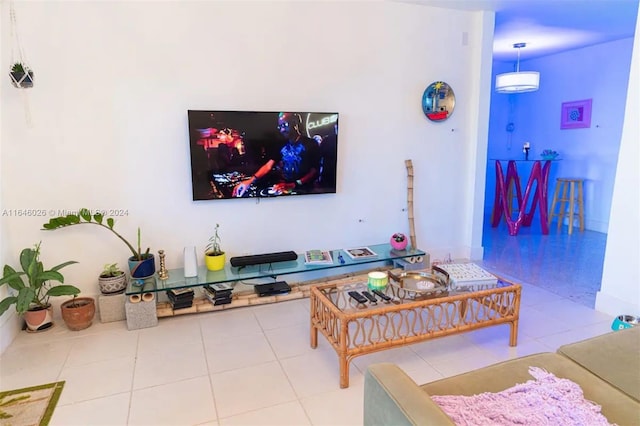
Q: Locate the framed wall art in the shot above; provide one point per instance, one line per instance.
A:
(576, 114)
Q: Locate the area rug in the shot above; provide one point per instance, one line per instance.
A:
(29, 406)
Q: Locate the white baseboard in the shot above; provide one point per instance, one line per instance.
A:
(9, 329)
(596, 225)
(590, 225)
(613, 306)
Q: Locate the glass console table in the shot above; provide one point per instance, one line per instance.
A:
(236, 276)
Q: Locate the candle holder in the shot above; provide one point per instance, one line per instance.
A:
(163, 274)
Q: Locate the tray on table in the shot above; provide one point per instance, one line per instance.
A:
(417, 284)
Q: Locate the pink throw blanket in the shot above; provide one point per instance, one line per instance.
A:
(547, 400)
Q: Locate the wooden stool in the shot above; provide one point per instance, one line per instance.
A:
(560, 196)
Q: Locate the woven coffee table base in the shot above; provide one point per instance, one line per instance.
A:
(354, 329)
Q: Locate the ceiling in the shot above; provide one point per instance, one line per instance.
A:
(550, 26)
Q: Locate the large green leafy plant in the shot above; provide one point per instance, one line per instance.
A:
(84, 217)
(35, 290)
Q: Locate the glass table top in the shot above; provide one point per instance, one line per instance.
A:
(339, 295)
(238, 275)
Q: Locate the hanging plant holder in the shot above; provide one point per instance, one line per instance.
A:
(20, 73)
(21, 76)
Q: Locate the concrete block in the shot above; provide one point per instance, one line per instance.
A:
(414, 263)
(111, 307)
(142, 314)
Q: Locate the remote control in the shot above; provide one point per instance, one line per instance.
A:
(381, 295)
(370, 296)
(357, 296)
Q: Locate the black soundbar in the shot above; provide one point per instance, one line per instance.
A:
(258, 259)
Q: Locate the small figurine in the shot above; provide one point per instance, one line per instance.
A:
(525, 148)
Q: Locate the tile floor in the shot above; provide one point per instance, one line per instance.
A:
(567, 265)
(254, 366)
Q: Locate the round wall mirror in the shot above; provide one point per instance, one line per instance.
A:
(438, 101)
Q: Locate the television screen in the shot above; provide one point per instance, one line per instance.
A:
(245, 154)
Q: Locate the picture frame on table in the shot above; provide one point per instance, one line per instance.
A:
(359, 253)
(318, 257)
(576, 114)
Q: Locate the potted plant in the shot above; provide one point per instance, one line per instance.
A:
(78, 312)
(32, 298)
(213, 255)
(21, 75)
(112, 280)
(398, 241)
(141, 264)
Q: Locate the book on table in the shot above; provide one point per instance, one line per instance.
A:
(180, 294)
(318, 257)
(218, 300)
(468, 276)
(222, 296)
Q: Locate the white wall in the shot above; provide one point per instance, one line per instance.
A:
(620, 290)
(114, 81)
(598, 72)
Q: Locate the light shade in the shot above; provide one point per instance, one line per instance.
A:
(517, 82)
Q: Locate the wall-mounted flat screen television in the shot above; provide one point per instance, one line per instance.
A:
(250, 154)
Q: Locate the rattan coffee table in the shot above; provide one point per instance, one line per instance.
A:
(355, 329)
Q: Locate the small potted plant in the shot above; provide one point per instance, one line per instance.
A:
(213, 255)
(398, 241)
(31, 296)
(78, 312)
(141, 263)
(21, 75)
(112, 280)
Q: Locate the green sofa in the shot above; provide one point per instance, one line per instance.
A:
(606, 367)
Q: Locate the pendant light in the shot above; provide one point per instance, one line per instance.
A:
(518, 82)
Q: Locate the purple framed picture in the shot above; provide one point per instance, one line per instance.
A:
(576, 114)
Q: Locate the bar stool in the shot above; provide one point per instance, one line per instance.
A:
(560, 197)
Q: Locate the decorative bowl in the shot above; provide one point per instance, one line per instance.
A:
(549, 154)
(415, 284)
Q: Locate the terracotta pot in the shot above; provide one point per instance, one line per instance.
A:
(39, 319)
(78, 313)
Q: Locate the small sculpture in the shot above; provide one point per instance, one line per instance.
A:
(525, 148)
